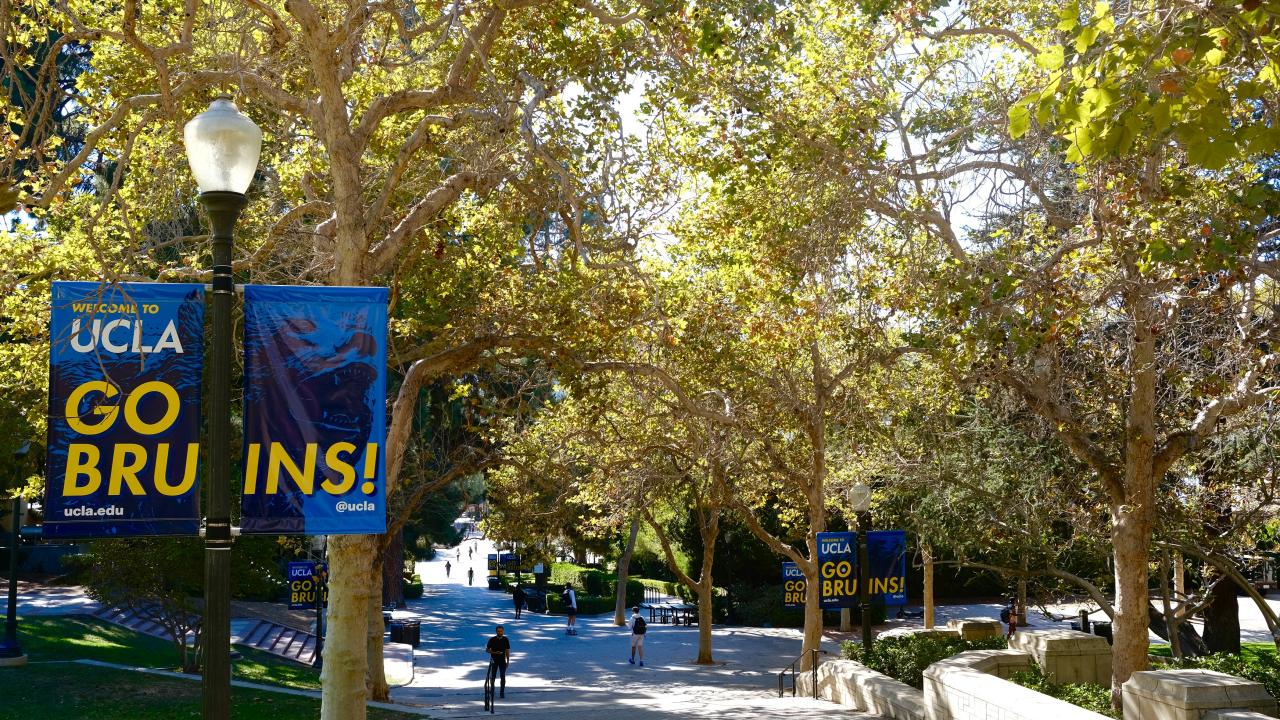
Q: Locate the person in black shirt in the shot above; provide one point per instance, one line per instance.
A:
(518, 597)
(499, 649)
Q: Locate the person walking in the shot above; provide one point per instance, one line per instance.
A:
(471, 554)
(570, 601)
(1010, 615)
(518, 597)
(638, 629)
(499, 649)
(447, 567)
(471, 575)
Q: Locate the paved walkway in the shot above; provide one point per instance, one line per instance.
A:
(587, 675)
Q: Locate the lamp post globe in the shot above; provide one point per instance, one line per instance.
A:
(223, 146)
(860, 497)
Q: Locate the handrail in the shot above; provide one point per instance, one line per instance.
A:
(813, 668)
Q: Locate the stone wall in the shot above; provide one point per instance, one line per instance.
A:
(1193, 695)
(1067, 656)
(971, 686)
(855, 685)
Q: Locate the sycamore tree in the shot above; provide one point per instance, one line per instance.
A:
(1116, 270)
(382, 123)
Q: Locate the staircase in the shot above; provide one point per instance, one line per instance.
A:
(281, 640)
(138, 622)
(286, 642)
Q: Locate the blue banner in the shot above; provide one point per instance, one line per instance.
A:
(887, 555)
(315, 393)
(303, 579)
(838, 568)
(793, 585)
(125, 363)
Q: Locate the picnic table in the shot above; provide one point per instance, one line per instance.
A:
(678, 613)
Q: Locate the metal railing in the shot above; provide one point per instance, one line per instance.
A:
(813, 668)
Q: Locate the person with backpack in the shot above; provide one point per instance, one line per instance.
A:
(570, 602)
(638, 628)
(1009, 615)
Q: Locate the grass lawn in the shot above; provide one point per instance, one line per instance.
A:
(1248, 650)
(86, 638)
(74, 692)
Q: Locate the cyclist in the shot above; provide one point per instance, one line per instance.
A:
(499, 649)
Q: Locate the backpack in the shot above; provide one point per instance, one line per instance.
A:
(641, 626)
(564, 598)
(1004, 615)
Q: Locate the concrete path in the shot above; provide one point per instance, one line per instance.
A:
(554, 675)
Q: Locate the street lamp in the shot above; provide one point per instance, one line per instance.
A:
(860, 500)
(222, 148)
(10, 651)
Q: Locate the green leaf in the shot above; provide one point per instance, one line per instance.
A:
(1052, 58)
(1087, 35)
(1019, 120)
(1215, 57)
(1067, 20)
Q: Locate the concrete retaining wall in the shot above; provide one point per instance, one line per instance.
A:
(855, 685)
(960, 688)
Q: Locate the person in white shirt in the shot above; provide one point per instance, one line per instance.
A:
(638, 629)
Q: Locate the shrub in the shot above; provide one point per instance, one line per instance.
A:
(413, 587)
(905, 657)
(1089, 696)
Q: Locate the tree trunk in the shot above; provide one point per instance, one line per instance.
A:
(346, 660)
(846, 620)
(1130, 538)
(1179, 577)
(1222, 618)
(377, 676)
(579, 555)
(1171, 622)
(927, 553)
(624, 570)
(812, 614)
(392, 567)
(705, 593)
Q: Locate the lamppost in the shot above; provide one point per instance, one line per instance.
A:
(10, 651)
(222, 148)
(860, 500)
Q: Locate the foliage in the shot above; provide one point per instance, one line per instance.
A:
(905, 657)
(1090, 696)
(413, 588)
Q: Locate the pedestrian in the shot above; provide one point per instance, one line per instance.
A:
(518, 597)
(447, 567)
(470, 554)
(471, 575)
(1010, 616)
(638, 629)
(499, 649)
(570, 602)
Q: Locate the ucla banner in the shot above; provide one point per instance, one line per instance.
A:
(125, 363)
(887, 555)
(315, 391)
(838, 568)
(793, 585)
(305, 578)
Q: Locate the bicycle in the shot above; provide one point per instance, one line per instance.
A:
(490, 680)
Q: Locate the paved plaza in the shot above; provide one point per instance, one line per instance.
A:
(587, 676)
(554, 675)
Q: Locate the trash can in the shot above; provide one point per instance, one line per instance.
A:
(408, 632)
(1103, 629)
(494, 583)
